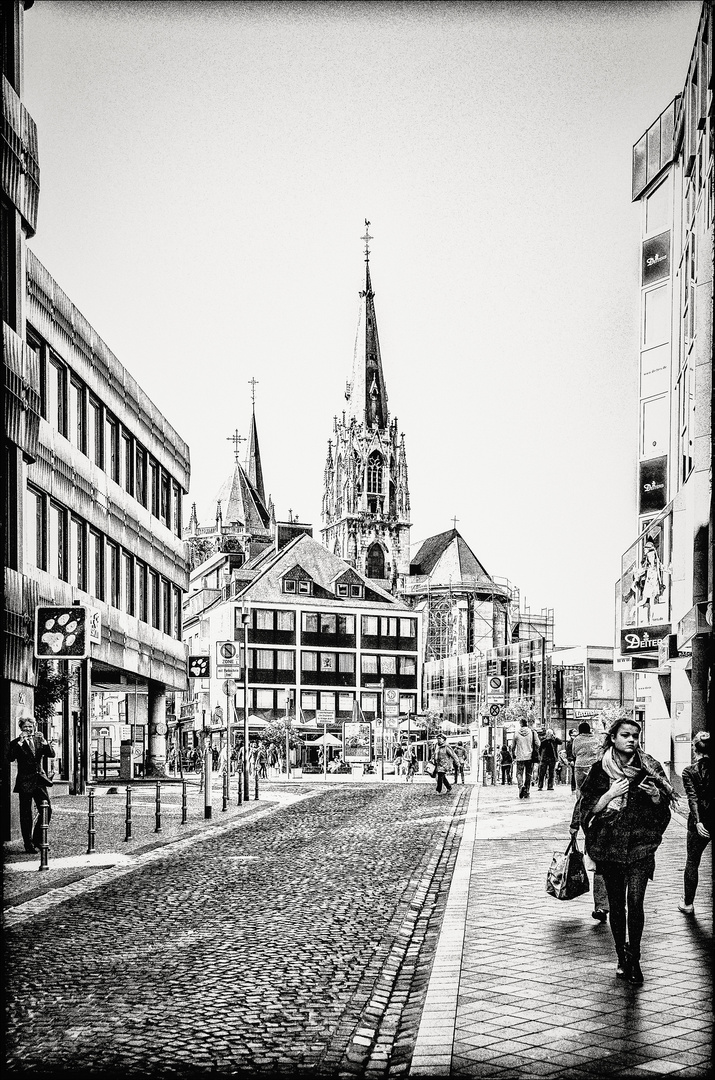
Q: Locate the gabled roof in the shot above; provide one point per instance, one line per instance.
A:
(323, 568)
(446, 558)
(241, 502)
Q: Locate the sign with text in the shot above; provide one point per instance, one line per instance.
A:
(495, 688)
(325, 716)
(652, 484)
(656, 258)
(228, 661)
(643, 638)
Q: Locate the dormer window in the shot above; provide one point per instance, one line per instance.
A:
(342, 590)
(305, 588)
(297, 580)
(357, 591)
(289, 586)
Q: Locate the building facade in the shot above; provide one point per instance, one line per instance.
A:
(94, 480)
(664, 596)
(366, 499)
(322, 639)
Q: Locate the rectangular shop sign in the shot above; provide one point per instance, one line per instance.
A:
(656, 258)
(643, 638)
(652, 485)
(699, 620)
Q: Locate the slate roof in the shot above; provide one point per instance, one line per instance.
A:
(448, 551)
(241, 502)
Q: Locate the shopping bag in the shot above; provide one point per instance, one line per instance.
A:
(566, 877)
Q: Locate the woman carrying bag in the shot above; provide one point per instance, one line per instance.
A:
(625, 809)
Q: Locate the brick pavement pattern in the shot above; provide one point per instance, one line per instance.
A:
(293, 943)
(532, 990)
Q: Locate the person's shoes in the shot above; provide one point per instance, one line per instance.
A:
(599, 915)
(549, 789)
(687, 909)
(30, 849)
(527, 794)
(521, 793)
(635, 975)
(623, 967)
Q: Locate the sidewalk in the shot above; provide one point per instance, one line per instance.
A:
(524, 985)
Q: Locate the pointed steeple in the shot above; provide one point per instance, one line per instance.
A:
(253, 455)
(366, 393)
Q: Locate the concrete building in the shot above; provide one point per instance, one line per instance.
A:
(94, 478)
(366, 499)
(664, 596)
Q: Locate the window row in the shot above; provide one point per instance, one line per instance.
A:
(388, 626)
(388, 665)
(70, 407)
(327, 623)
(284, 660)
(313, 622)
(64, 545)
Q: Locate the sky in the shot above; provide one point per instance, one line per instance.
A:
(206, 171)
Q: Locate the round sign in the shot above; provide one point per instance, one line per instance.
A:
(230, 686)
(228, 650)
(495, 682)
(391, 695)
(160, 728)
(494, 710)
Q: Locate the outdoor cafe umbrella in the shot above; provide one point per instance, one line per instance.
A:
(326, 740)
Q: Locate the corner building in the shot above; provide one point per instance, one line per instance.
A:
(664, 608)
(94, 478)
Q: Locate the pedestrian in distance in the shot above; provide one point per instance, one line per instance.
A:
(625, 809)
(587, 748)
(443, 760)
(548, 756)
(31, 750)
(410, 760)
(507, 764)
(563, 769)
(697, 781)
(262, 762)
(399, 759)
(526, 741)
(570, 757)
(487, 763)
(460, 754)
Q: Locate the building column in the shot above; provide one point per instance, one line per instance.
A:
(156, 756)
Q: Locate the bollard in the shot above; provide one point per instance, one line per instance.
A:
(90, 822)
(225, 792)
(183, 803)
(128, 820)
(207, 785)
(240, 787)
(158, 807)
(255, 792)
(44, 844)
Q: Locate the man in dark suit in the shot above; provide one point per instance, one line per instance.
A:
(30, 750)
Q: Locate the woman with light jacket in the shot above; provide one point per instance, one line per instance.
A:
(698, 789)
(625, 809)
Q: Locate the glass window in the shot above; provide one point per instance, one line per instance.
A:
(164, 506)
(369, 625)
(111, 447)
(176, 508)
(264, 619)
(655, 427)
(56, 391)
(388, 627)
(346, 661)
(128, 461)
(368, 703)
(166, 605)
(305, 587)
(369, 664)
(656, 317)
(285, 659)
(388, 665)
(408, 665)
(328, 661)
(345, 702)
(153, 598)
(309, 700)
(75, 415)
(346, 624)
(112, 591)
(95, 430)
(154, 485)
(128, 575)
(289, 585)
(357, 591)
(328, 624)
(310, 623)
(35, 529)
(658, 210)
(264, 699)
(343, 590)
(56, 542)
(408, 628)
(95, 565)
(309, 661)
(407, 704)
(285, 620)
(264, 659)
(141, 475)
(78, 562)
(176, 612)
(140, 592)
(327, 701)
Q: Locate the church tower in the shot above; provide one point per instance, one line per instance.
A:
(366, 500)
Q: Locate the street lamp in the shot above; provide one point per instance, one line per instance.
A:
(245, 618)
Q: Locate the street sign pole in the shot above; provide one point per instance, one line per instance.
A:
(382, 718)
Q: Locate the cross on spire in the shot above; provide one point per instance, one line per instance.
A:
(454, 523)
(367, 238)
(253, 383)
(236, 439)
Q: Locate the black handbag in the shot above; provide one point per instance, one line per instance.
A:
(566, 877)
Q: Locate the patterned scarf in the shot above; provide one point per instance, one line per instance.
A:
(615, 771)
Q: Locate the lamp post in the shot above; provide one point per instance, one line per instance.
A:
(381, 688)
(245, 618)
(289, 699)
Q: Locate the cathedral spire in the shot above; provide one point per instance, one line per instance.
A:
(254, 470)
(366, 393)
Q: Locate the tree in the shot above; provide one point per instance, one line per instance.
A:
(519, 710)
(51, 688)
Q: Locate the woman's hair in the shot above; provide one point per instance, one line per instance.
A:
(701, 743)
(616, 726)
(584, 728)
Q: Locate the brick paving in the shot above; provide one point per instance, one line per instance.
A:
(524, 985)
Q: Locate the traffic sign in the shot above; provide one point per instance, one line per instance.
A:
(325, 716)
(229, 687)
(495, 688)
(392, 710)
(61, 633)
(391, 696)
(199, 667)
(494, 710)
(228, 661)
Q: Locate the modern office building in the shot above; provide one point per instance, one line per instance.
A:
(664, 596)
(94, 478)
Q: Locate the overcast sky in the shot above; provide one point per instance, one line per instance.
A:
(206, 171)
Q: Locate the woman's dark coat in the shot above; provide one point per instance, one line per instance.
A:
(633, 833)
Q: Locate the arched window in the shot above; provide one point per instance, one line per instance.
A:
(375, 565)
(374, 474)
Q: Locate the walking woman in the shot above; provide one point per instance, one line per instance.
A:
(696, 781)
(625, 809)
(444, 761)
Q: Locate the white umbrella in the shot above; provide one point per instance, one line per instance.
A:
(256, 721)
(326, 740)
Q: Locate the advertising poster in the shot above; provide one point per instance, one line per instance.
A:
(357, 742)
(645, 579)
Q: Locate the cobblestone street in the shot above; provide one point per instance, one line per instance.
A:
(348, 929)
